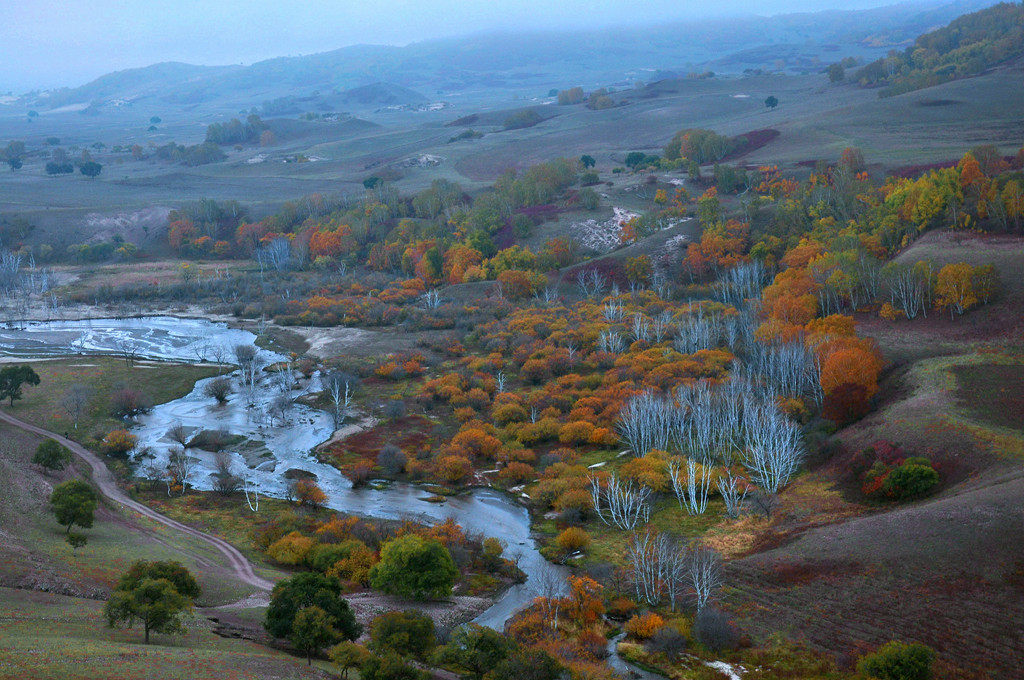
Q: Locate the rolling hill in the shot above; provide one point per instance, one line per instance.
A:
(527, 62)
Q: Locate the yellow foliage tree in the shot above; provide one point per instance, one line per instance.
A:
(954, 288)
(291, 548)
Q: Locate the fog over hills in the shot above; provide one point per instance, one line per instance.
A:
(519, 64)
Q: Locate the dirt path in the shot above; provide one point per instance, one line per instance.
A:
(102, 478)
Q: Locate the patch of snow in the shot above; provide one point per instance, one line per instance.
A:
(258, 158)
(740, 96)
(728, 669)
(70, 108)
(416, 108)
(602, 236)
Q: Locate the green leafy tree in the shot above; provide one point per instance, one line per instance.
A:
(76, 540)
(170, 570)
(390, 667)
(312, 631)
(435, 263)
(408, 633)
(771, 102)
(12, 378)
(527, 664)
(52, 455)
(898, 661)
(155, 603)
(90, 169)
(412, 566)
(348, 655)
(635, 158)
(475, 649)
(587, 161)
(836, 73)
(910, 480)
(309, 589)
(55, 168)
(74, 502)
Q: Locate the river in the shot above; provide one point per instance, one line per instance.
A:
(289, 438)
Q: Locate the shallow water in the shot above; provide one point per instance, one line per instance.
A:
(288, 439)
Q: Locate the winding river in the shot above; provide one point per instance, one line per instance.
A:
(287, 437)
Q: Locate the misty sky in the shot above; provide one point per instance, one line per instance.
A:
(51, 43)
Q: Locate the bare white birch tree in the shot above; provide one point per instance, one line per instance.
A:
(625, 504)
(182, 466)
(691, 485)
(703, 572)
(645, 423)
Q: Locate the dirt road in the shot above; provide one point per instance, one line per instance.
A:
(104, 481)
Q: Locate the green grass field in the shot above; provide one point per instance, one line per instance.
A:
(45, 636)
(36, 554)
(815, 119)
(163, 382)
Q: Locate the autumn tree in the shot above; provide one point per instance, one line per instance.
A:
(571, 540)
(309, 494)
(639, 270)
(573, 95)
(954, 289)
(348, 655)
(985, 282)
(119, 442)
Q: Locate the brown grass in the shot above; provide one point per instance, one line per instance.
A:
(945, 570)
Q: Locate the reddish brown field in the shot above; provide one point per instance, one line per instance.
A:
(412, 433)
(945, 572)
(948, 570)
(1003, 387)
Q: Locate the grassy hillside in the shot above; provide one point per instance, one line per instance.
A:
(968, 46)
(814, 119)
(941, 570)
(46, 636)
(37, 557)
(51, 598)
(463, 67)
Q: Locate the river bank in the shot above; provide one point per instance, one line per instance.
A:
(289, 441)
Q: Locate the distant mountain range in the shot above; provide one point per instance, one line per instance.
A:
(366, 77)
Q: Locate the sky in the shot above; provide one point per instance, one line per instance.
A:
(52, 43)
